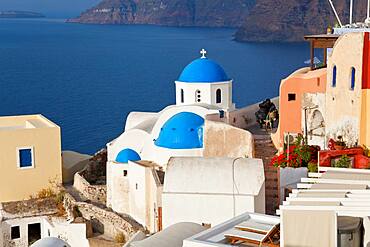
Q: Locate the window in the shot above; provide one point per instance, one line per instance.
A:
(334, 82)
(125, 173)
(182, 96)
(25, 157)
(137, 186)
(197, 96)
(15, 232)
(218, 96)
(34, 233)
(353, 77)
(291, 96)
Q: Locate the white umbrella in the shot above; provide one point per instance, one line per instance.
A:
(315, 61)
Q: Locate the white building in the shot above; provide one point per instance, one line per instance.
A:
(198, 125)
(203, 88)
(212, 190)
(24, 231)
(137, 189)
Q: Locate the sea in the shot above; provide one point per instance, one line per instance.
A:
(88, 78)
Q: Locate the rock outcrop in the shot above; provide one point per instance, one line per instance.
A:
(290, 20)
(209, 13)
(257, 20)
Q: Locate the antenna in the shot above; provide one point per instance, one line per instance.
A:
(351, 12)
(335, 12)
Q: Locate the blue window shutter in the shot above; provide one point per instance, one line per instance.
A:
(353, 77)
(25, 157)
(334, 76)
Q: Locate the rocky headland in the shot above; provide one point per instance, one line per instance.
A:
(256, 20)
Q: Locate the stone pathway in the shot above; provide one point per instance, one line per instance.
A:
(265, 150)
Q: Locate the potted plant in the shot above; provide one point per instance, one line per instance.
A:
(293, 163)
(343, 162)
(339, 144)
(312, 167)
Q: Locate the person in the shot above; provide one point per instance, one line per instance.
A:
(264, 109)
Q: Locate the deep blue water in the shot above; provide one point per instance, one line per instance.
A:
(87, 78)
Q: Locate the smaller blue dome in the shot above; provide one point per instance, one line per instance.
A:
(182, 131)
(126, 155)
(203, 70)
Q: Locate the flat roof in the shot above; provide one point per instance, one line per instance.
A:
(322, 36)
(215, 236)
(21, 122)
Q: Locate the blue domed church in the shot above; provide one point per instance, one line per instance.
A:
(203, 88)
(203, 91)
(204, 81)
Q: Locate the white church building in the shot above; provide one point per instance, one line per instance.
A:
(203, 88)
(196, 126)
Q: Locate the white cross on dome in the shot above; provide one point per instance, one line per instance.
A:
(203, 52)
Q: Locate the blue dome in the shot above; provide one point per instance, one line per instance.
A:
(182, 131)
(126, 155)
(203, 70)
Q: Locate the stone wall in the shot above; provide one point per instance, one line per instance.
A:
(103, 220)
(95, 193)
(223, 140)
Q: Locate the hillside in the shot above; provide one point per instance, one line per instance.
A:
(257, 20)
(209, 13)
(290, 20)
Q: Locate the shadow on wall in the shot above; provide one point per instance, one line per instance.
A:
(98, 227)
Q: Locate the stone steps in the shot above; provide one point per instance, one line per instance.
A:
(265, 150)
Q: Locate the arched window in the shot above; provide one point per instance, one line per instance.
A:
(334, 82)
(353, 77)
(182, 96)
(218, 96)
(197, 96)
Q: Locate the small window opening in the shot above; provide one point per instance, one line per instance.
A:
(291, 97)
(15, 232)
(25, 158)
(197, 96)
(125, 173)
(182, 95)
(218, 96)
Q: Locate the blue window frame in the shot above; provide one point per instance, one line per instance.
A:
(25, 157)
(353, 77)
(334, 82)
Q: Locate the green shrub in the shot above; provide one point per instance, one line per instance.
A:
(312, 167)
(343, 162)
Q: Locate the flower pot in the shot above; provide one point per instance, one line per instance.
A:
(290, 177)
(362, 162)
(338, 147)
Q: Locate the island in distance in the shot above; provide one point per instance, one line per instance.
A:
(20, 14)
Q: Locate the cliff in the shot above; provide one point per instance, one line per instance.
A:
(290, 20)
(257, 20)
(204, 13)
